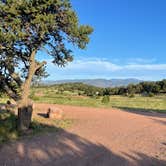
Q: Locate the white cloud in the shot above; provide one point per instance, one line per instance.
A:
(93, 65)
(151, 67)
(96, 64)
(103, 68)
(141, 61)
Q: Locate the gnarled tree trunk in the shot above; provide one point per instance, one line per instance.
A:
(25, 106)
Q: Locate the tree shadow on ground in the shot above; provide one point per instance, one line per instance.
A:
(44, 115)
(67, 149)
(159, 121)
(8, 123)
(145, 112)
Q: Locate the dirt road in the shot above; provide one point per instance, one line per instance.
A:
(99, 137)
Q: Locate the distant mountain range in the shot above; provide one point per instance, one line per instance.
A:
(98, 82)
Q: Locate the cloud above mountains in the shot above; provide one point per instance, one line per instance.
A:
(107, 65)
(103, 68)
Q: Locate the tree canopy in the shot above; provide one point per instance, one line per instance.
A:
(29, 26)
(144, 88)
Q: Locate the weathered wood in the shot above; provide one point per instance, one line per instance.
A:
(24, 117)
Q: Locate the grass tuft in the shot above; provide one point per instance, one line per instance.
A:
(8, 124)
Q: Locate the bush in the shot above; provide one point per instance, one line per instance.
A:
(105, 100)
(131, 95)
(97, 97)
(35, 98)
(150, 94)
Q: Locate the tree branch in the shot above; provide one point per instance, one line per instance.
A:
(16, 78)
(39, 65)
(8, 90)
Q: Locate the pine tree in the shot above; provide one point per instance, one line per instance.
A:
(30, 26)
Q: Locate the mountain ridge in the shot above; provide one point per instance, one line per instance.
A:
(104, 83)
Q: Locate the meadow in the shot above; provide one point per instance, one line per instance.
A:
(52, 95)
(138, 103)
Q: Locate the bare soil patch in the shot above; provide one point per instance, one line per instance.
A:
(99, 137)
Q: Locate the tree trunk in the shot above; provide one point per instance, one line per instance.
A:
(24, 117)
(25, 106)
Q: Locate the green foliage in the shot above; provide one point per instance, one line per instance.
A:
(88, 90)
(79, 88)
(30, 26)
(131, 89)
(150, 94)
(105, 100)
(131, 95)
(7, 127)
(141, 88)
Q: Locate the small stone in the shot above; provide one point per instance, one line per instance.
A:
(2, 107)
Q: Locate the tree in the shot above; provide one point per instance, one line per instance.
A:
(162, 85)
(122, 90)
(28, 27)
(131, 89)
(106, 92)
(105, 99)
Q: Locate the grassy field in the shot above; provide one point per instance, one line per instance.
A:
(49, 95)
(140, 103)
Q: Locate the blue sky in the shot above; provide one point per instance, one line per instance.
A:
(129, 41)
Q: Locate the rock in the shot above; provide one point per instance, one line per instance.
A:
(55, 113)
(2, 107)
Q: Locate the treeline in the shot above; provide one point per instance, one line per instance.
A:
(80, 88)
(144, 88)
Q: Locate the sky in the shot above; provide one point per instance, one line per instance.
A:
(129, 41)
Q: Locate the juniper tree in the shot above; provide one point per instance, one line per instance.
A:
(27, 27)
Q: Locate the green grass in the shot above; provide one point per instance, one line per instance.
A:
(38, 126)
(7, 127)
(8, 123)
(140, 103)
(69, 100)
(157, 103)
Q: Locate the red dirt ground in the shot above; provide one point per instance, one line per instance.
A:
(99, 137)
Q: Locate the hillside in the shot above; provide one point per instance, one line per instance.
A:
(104, 83)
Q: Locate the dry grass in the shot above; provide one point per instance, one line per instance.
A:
(8, 123)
